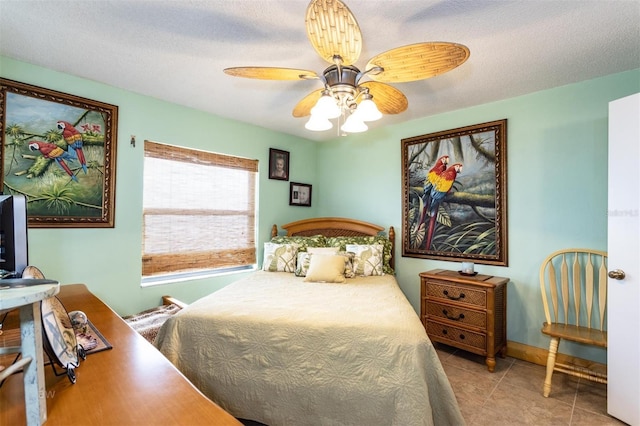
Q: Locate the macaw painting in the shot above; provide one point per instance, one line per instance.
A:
(454, 194)
(58, 150)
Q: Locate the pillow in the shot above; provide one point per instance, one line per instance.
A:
(323, 250)
(302, 242)
(368, 259)
(279, 257)
(326, 268)
(366, 240)
(302, 263)
(349, 272)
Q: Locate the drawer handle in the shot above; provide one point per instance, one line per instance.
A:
(458, 318)
(446, 293)
(444, 332)
(462, 337)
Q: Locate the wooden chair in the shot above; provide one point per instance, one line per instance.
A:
(573, 283)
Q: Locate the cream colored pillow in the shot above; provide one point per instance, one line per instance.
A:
(326, 268)
(323, 250)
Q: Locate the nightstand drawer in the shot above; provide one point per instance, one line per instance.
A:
(447, 291)
(457, 335)
(461, 315)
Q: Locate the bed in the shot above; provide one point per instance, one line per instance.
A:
(283, 349)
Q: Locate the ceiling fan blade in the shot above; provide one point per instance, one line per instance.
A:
(388, 99)
(333, 30)
(303, 108)
(417, 61)
(269, 73)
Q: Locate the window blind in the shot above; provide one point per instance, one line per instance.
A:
(199, 210)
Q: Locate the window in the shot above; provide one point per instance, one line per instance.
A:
(199, 211)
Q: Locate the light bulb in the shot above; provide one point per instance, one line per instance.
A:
(318, 124)
(354, 124)
(367, 109)
(326, 107)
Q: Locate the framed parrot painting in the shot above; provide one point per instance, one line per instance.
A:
(59, 151)
(455, 194)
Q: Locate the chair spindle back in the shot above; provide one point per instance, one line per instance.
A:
(576, 282)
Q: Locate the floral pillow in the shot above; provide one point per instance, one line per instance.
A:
(367, 260)
(279, 257)
(366, 240)
(302, 264)
(349, 272)
(302, 242)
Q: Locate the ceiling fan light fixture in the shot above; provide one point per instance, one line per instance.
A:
(317, 123)
(367, 109)
(354, 124)
(335, 34)
(326, 107)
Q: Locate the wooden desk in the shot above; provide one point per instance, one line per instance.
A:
(133, 383)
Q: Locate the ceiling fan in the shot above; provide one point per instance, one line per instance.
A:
(335, 35)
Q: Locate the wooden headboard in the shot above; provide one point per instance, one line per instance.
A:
(335, 227)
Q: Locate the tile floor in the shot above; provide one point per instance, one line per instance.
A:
(512, 394)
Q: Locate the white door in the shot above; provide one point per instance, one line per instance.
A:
(623, 310)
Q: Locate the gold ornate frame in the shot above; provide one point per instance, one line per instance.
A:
(466, 220)
(66, 171)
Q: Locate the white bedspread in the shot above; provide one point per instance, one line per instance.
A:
(281, 351)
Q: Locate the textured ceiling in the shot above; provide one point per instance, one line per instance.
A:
(176, 50)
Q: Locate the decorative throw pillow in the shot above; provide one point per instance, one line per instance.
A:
(368, 259)
(279, 257)
(302, 242)
(349, 272)
(323, 250)
(366, 240)
(326, 268)
(302, 263)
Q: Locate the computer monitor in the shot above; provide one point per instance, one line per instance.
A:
(13, 235)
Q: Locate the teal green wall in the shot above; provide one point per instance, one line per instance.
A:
(109, 260)
(556, 179)
(556, 173)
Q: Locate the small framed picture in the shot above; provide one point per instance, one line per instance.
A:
(278, 164)
(299, 194)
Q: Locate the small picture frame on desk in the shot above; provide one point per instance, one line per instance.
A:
(299, 194)
(278, 164)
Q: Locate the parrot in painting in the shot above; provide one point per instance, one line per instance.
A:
(54, 152)
(432, 178)
(438, 191)
(74, 139)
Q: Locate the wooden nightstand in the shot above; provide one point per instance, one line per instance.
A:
(468, 312)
